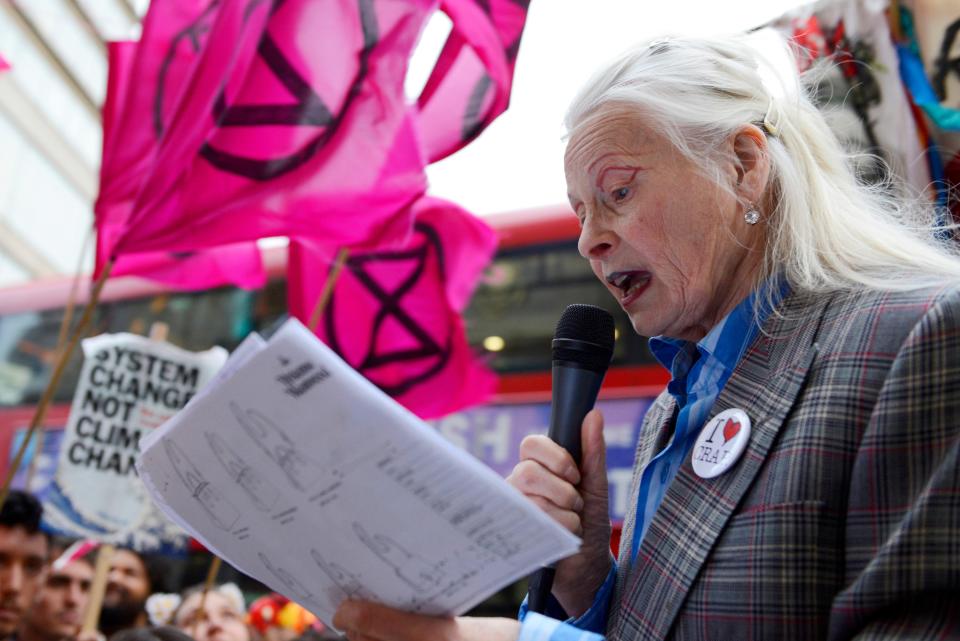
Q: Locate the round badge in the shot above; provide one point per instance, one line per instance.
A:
(721, 442)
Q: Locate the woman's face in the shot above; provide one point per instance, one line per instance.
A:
(220, 621)
(669, 244)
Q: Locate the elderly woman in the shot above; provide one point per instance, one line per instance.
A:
(798, 478)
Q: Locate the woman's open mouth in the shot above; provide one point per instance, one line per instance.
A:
(631, 285)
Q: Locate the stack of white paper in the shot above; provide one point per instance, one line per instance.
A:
(298, 471)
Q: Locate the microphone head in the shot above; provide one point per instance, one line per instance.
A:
(585, 336)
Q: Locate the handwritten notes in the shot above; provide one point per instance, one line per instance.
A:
(301, 473)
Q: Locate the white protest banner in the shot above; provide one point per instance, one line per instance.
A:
(128, 386)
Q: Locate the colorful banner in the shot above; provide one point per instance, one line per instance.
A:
(935, 32)
(128, 386)
(293, 122)
(929, 51)
(863, 97)
(471, 81)
(394, 315)
(132, 126)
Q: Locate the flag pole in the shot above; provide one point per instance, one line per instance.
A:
(61, 340)
(101, 572)
(41, 412)
(207, 586)
(328, 286)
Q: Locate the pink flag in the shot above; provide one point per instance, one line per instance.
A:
(132, 126)
(292, 122)
(173, 33)
(470, 84)
(4, 65)
(394, 315)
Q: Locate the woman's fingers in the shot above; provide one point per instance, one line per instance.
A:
(567, 519)
(535, 480)
(550, 455)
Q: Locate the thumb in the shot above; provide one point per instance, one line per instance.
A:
(593, 466)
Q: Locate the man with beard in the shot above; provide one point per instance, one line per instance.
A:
(59, 603)
(128, 586)
(23, 558)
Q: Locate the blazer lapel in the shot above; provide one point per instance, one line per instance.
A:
(694, 511)
(656, 433)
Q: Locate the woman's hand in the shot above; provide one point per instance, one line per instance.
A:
(365, 621)
(577, 500)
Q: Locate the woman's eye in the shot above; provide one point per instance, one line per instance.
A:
(620, 194)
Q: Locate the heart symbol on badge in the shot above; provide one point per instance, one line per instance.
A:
(730, 429)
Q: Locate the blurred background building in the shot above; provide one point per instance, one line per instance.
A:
(50, 102)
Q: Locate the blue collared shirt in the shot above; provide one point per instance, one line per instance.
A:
(698, 372)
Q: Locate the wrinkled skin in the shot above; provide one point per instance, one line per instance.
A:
(646, 210)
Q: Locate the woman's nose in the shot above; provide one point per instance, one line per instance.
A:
(596, 239)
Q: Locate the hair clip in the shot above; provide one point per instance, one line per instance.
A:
(768, 126)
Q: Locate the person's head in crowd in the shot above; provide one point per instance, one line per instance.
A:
(24, 551)
(59, 603)
(128, 586)
(219, 615)
(160, 633)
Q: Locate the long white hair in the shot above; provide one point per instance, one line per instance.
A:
(826, 230)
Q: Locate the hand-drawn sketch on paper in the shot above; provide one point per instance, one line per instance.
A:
(263, 494)
(221, 511)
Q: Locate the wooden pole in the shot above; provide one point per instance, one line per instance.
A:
(61, 341)
(328, 286)
(207, 586)
(44, 404)
(98, 588)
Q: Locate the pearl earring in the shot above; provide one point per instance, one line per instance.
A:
(751, 216)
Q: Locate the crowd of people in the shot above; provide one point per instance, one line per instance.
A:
(45, 592)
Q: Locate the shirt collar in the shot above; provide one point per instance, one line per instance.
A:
(727, 340)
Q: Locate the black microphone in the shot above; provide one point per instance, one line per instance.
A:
(582, 349)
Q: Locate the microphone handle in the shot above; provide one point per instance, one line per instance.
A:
(575, 392)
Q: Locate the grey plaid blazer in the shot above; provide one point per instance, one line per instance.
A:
(842, 518)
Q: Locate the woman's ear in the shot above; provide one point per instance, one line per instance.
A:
(752, 163)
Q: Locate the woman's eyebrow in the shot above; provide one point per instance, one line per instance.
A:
(597, 161)
(634, 169)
